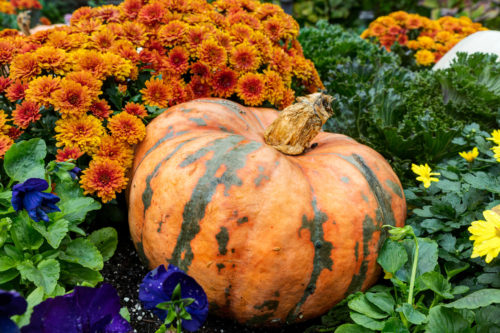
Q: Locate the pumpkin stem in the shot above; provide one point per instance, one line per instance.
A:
(298, 124)
(24, 22)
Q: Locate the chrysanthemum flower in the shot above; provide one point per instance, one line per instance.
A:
(135, 32)
(199, 88)
(84, 132)
(126, 127)
(113, 149)
(245, 58)
(14, 132)
(7, 8)
(152, 14)
(72, 98)
(224, 82)
(424, 174)
(105, 178)
(6, 52)
(274, 87)
(16, 91)
(91, 61)
(5, 143)
(131, 8)
(471, 155)
(4, 83)
(118, 67)
(102, 39)
(51, 59)
(251, 88)
(4, 127)
(26, 113)
(241, 32)
(178, 60)
(135, 109)
(201, 70)
(68, 153)
(100, 108)
(486, 236)
(413, 21)
(24, 67)
(212, 53)
(195, 36)
(424, 57)
(273, 28)
(173, 32)
(86, 79)
(40, 89)
(156, 93)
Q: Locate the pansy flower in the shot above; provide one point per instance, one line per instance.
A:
(11, 303)
(30, 196)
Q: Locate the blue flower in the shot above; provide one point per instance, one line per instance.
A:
(11, 303)
(85, 310)
(157, 287)
(74, 172)
(30, 196)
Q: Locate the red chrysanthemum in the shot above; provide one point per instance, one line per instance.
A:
(152, 14)
(16, 91)
(200, 69)
(245, 58)
(251, 88)
(100, 108)
(26, 113)
(104, 178)
(212, 53)
(198, 88)
(178, 60)
(68, 153)
(4, 83)
(224, 82)
(126, 127)
(135, 109)
(131, 8)
(14, 132)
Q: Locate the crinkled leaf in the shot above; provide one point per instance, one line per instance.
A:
(427, 258)
(384, 301)
(45, 274)
(448, 186)
(360, 303)
(106, 240)
(413, 315)
(446, 320)
(75, 209)
(488, 319)
(25, 160)
(392, 256)
(394, 325)
(82, 251)
(437, 283)
(477, 299)
(23, 233)
(53, 232)
(75, 274)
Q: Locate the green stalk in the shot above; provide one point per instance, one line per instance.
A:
(413, 272)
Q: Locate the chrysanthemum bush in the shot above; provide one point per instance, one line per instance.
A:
(15, 6)
(90, 87)
(429, 39)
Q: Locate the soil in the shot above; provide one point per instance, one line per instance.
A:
(125, 272)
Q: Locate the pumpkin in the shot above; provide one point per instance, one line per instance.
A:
(272, 238)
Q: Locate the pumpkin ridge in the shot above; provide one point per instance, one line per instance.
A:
(231, 106)
(229, 151)
(322, 254)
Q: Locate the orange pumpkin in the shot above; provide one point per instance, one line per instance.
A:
(272, 238)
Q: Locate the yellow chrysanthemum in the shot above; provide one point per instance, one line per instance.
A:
(127, 128)
(84, 132)
(425, 57)
(104, 178)
(486, 236)
(471, 155)
(424, 174)
(112, 149)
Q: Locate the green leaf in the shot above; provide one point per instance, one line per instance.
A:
(106, 241)
(33, 299)
(8, 275)
(352, 328)
(25, 160)
(75, 209)
(5, 225)
(394, 325)
(360, 303)
(13, 252)
(477, 299)
(171, 314)
(75, 274)
(7, 263)
(457, 290)
(82, 251)
(427, 258)
(437, 283)
(488, 319)
(45, 274)
(414, 316)
(384, 301)
(125, 313)
(452, 268)
(366, 321)
(392, 256)
(176, 294)
(445, 320)
(23, 234)
(448, 186)
(54, 232)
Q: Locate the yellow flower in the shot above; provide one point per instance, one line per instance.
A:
(486, 236)
(424, 174)
(496, 152)
(470, 155)
(388, 275)
(495, 137)
(425, 57)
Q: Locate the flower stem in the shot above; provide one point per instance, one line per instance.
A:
(413, 272)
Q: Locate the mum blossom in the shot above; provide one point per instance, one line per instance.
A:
(471, 155)
(30, 196)
(157, 287)
(84, 310)
(424, 174)
(11, 303)
(486, 236)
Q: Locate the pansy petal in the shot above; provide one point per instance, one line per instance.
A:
(101, 304)
(54, 315)
(8, 326)
(118, 325)
(11, 303)
(32, 184)
(32, 200)
(151, 290)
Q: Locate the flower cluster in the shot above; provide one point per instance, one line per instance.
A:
(12, 6)
(101, 75)
(430, 39)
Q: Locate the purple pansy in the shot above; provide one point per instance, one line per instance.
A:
(30, 196)
(11, 303)
(157, 287)
(84, 310)
(74, 172)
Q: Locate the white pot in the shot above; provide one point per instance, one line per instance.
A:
(481, 41)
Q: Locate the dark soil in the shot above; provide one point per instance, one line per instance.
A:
(125, 272)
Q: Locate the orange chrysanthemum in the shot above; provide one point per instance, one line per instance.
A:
(251, 88)
(131, 8)
(84, 132)
(101, 109)
(4, 127)
(6, 52)
(72, 98)
(152, 14)
(40, 90)
(4, 83)
(224, 82)
(91, 61)
(86, 79)
(273, 28)
(135, 32)
(201, 70)
(212, 53)
(24, 67)
(51, 59)
(135, 109)
(16, 91)
(126, 127)
(112, 149)
(5, 143)
(102, 39)
(68, 153)
(245, 57)
(26, 113)
(199, 88)
(173, 32)
(105, 178)
(178, 60)
(156, 93)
